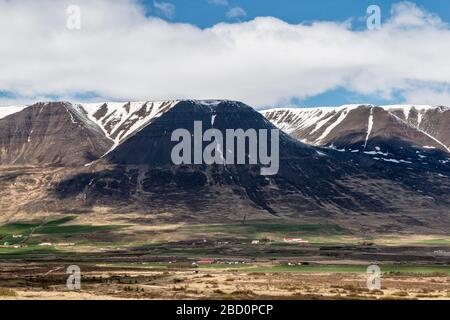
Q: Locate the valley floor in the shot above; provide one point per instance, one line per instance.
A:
(117, 281)
(270, 259)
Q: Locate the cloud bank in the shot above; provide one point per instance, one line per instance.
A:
(121, 54)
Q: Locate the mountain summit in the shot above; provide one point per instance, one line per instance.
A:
(361, 164)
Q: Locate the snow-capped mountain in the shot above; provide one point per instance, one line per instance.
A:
(323, 125)
(311, 180)
(377, 131)
(110, 121)
(118, 156)
(119, 120)
(397, 133)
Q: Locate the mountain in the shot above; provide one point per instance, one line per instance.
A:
(399, 134)
(102, 127)
(120, 120)
(312, 182)
(141, 167)
(50, 134)
(115, 160)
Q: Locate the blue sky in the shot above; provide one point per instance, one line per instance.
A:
(204, 14)
(119, 57)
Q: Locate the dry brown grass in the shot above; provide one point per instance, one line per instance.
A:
(6, 292)
(184, 284)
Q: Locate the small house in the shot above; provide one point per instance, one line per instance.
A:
(45, 244)
(205, 261)
(295, 240)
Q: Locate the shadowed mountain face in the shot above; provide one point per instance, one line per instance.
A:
(310, 182)
(143, 168)
(152, 145)
(50, 134)
(125, 164)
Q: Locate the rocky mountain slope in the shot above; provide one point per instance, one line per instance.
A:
(312, 182)
(399, 134)
(118, 157)
(50, 134)
(120, 120)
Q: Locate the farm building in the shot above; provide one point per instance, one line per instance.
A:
(205, 261)
(295, 240)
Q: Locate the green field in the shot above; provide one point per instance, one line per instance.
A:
(273, 230)
(201, 240)
(434, 242)
(32, 234)
(30, 250)
(268, 227)
(276, 231)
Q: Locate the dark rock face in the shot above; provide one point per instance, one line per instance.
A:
(313, 181)
(152, 145)
(149, 152)
(50, 134)
(310, 182)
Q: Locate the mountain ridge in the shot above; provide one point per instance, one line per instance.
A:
(326, 126)
(137, 177)
(44, 134)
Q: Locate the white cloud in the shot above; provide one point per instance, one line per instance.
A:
(407, 14)
(121, 54)
(218, 2)
(236, 12)
(166, 9)
(429, 94)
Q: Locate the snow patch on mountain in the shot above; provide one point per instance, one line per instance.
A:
(424, 132)
(120, 120)
(341, 118)
(369, 127)
(317, 126)
(290, 119)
